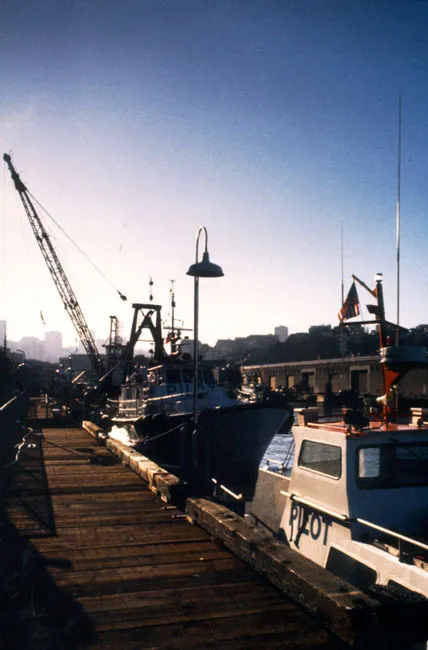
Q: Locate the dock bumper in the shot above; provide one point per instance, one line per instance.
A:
(166, 485)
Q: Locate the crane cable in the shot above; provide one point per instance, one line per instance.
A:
(122, 296)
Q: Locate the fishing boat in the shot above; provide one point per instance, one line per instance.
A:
(353, 493)
(157, 409)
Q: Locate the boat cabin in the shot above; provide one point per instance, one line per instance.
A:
(168, 388)
(380, 474)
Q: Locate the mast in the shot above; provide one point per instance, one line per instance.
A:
(342, 330)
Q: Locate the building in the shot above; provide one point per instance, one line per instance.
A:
(32, 347)
(2, 332)
(53, 346)
(281, 333)
(363, 374)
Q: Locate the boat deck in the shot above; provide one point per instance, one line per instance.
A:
(91, 557)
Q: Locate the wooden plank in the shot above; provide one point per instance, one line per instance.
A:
(108, 537)
(204, 602)
(139, 555)
(297, 633)
(152, 577)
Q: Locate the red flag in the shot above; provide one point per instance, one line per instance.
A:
(351, 306)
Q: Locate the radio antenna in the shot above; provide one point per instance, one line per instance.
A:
(398, 219)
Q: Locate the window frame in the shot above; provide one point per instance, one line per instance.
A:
(317, 471)
(379, 482)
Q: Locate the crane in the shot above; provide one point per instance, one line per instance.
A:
(57, 272)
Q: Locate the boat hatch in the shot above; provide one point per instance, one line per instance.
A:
(392, 465)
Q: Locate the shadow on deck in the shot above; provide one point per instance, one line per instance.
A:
(34, 612)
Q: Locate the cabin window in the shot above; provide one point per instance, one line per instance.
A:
(393, 465)
(322, 458)
(369, 462)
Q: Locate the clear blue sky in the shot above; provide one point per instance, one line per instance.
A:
(135, 122)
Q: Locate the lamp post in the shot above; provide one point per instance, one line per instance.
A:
(202, 269)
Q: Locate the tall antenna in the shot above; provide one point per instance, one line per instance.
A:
(341, 259)
(398, 219)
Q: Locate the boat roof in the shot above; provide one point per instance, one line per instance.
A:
(374, 426)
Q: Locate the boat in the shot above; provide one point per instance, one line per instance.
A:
(220, 449)
(353, 494)
(251, 390)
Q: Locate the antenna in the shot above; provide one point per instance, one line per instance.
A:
(341, 259)
(171, 291)
(398, 219)
(342, 328)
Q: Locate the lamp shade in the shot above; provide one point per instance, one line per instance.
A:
(205, 268)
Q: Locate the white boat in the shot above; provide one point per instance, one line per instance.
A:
(355, 499)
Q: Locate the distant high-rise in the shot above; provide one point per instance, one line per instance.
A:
(281, 333)
(2, 332)
(53, 346)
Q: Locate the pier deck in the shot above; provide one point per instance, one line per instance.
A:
(90, 556)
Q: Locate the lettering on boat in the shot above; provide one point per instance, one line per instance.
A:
(306, 521)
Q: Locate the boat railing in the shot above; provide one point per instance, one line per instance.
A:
(223, 488)
(401, 539)
(167, 403)
(316, 506)
(136, 407)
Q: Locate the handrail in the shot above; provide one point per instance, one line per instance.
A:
(399, 536)
(316, 506)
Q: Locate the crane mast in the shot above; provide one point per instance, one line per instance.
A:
(57, 272)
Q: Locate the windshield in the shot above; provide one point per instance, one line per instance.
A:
(393, 465)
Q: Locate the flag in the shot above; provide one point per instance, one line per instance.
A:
(351, 306)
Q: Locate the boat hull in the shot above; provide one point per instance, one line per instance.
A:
(228, 446)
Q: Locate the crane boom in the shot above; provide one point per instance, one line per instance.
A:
(57, 272)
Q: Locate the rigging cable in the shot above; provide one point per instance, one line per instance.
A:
(122, 296)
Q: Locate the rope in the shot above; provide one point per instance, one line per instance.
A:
(122, 296)
(164, 433)
(20, 445)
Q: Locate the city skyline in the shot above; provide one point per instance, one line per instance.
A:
(275, 125)
(51, 347)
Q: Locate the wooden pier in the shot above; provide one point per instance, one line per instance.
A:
(91, 557)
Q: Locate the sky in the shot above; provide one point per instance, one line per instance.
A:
(274, 124)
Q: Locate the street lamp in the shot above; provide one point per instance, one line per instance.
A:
(203, 269)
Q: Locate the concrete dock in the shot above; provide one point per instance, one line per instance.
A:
(90, 556)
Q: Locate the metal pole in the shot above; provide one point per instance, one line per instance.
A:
(195, 433)
(398, 220)
(195, 350)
